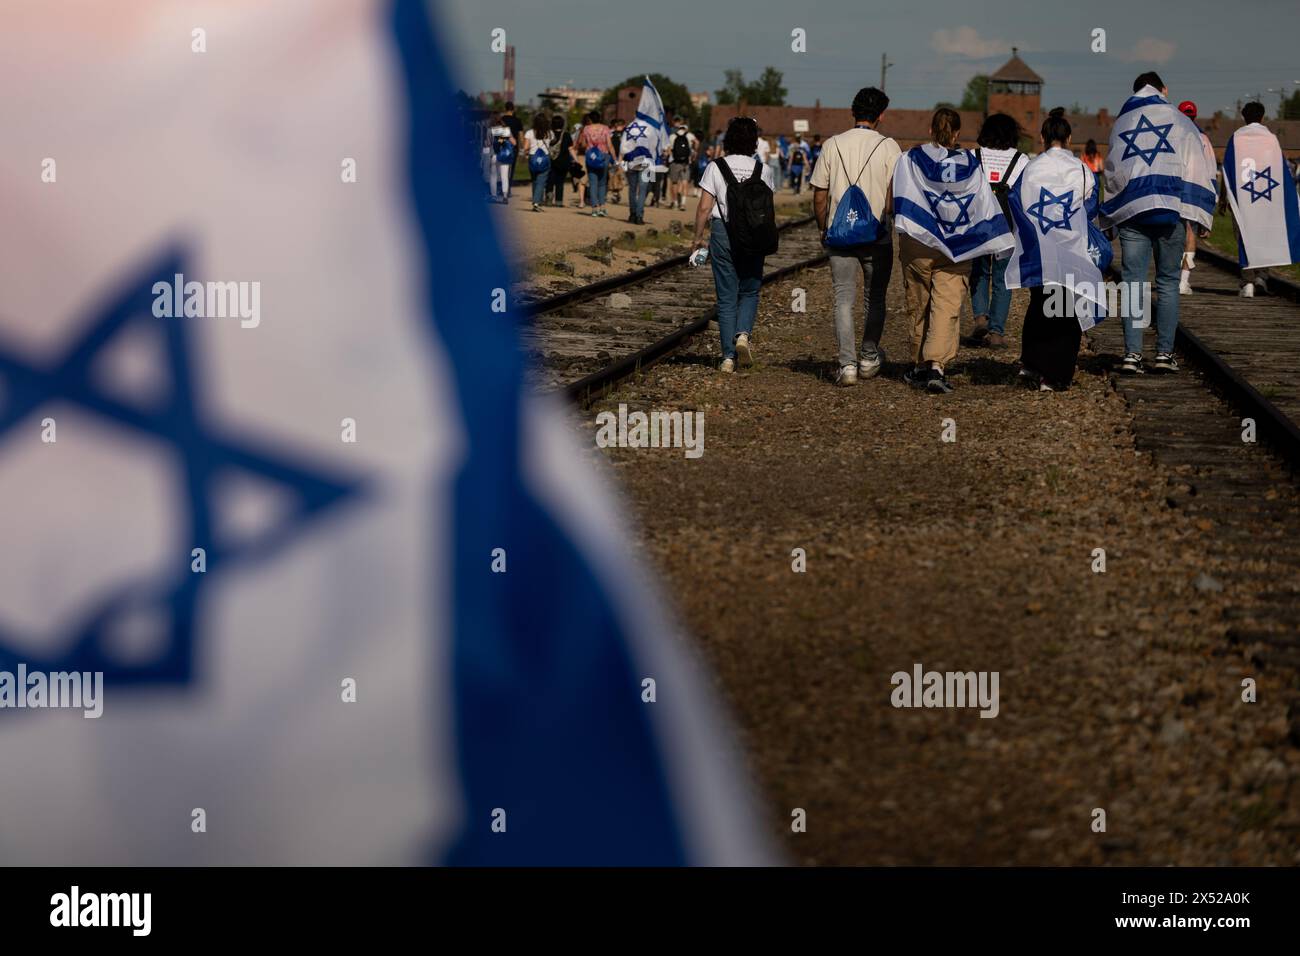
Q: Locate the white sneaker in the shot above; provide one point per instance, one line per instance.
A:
(1247, 291)
(728, 366)
(744, 357)
(870, 368)
(848, 375)
(1184, 288)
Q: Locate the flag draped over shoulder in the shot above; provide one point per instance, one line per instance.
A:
(355, 597)
(1156, 162)
(1264, 200)
(647, 135)
(1051, 204)
(942, 199)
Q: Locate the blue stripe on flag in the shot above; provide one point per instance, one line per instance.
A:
(972, 238)
(550, 724)
(1291, 200)
(1174, 187)
(648, 119)
(1031, 257)
(1230, 177)
(934, 170)
(1136, 103)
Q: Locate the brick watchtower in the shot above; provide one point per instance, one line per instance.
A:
(1016, 90)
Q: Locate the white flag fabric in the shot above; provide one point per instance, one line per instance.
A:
(1264, 201)
(1156, 162)
(941, 198)
(270, 465)
(647, 135)
(1051, 204)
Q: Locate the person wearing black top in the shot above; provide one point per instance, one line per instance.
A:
(561, 157)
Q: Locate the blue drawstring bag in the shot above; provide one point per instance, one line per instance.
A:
(596, 159)
(1099, 248)
(539, 162)
(854, 223)
(505, 152)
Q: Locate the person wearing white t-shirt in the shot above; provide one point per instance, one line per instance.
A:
(1003, 163)
(682, 148)
(865, 158)
(737, 278)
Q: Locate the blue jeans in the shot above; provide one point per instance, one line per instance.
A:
(598, 180)
(1136, 245)
(637, 187)
(737, 281)
(989, 294)
(539, 188)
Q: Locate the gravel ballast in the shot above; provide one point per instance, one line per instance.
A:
(1117, 690)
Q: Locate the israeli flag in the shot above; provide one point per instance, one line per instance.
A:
(942, 199)
(269, 465)
(1264, 202)
(1156, 161)
(1052, 204)
(646, 137)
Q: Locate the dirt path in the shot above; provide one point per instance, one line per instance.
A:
(1117, 689)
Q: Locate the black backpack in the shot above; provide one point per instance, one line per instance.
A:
(1002, 188)
(681, 149)
(751, 212)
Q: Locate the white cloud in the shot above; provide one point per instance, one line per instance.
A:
(1150, 50)
(966, 41)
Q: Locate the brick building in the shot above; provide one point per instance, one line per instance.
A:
(1014, 89)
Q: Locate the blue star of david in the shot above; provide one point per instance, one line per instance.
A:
(202, 452)
(1144, 125)
(636, 131)
(1266, 193)
(1046, 198)
(961, 202)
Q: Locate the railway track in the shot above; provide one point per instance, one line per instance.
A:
(584, 344)
(1240, 360)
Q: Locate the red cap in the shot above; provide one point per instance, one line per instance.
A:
(1188, 107)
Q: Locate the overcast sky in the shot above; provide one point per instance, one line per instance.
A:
(1210, 51)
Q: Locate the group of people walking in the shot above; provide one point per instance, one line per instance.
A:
(598, 163)
(978, 223)
(595, 160)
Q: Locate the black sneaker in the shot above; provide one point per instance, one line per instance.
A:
(1164, 363)
(1132, 364)
(938, 383)
(917, 377)
(1028, 378)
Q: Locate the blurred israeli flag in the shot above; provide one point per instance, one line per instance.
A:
(646, 137)
(268, 464)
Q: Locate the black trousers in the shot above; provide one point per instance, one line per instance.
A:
(1049, 345)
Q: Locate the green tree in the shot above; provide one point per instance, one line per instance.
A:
(733, 88)
(976, 95)
(1291, 106)
(676, 97)
(765, 91)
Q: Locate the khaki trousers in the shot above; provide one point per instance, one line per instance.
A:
(935, 288)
